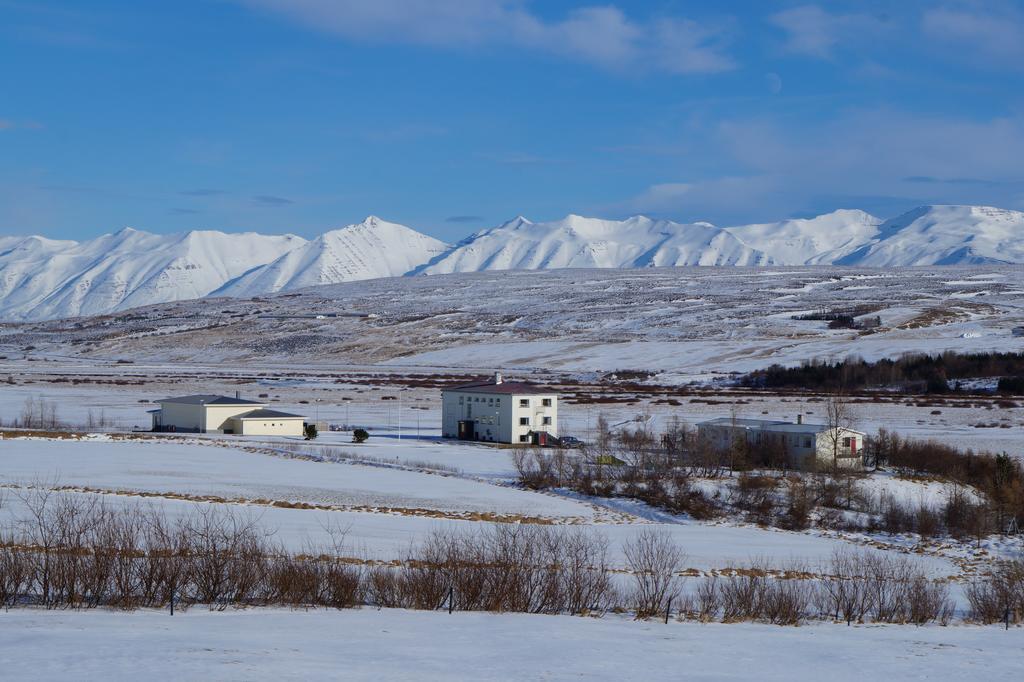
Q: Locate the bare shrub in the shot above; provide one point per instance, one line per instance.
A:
(342, 585)
(786, 602)
(654, 559)
(707, 601)
(742, 596)
(927, 601)
(586, 581)
(15, 573)
(844, 594)
(799, 502)
(1000, 596)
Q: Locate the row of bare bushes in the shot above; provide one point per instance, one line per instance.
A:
(853, 587)
(71, 551)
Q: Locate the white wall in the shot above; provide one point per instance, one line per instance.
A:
(182, 417)
(534, 413)
(496, 415)
(268, 427)
(827, 456)
(203, 418)
(218, 416)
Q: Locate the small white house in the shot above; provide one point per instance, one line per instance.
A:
(500, 411)
(222, 414)
(804, 443)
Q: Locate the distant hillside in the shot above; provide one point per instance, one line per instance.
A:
(43, 278)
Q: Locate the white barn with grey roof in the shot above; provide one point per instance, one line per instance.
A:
(209, 413)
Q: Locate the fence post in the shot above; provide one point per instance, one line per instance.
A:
(668, 610)
(172, 602)
(451, 604)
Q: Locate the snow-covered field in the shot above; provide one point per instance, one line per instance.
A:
(683, 324)
(380, 512)
(380, 370)
(368, 644)
(382, 401)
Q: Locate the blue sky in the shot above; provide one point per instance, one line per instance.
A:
(453, 115)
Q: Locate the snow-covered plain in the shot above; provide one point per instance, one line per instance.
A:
(681, 323)
(368, 644)
(678, 324)
(380, 512)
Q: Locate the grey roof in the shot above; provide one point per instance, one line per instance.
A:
(774, 426)
(505, 387)
(209, 399)
(268, 414)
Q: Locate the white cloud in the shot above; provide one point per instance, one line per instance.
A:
(601, 35)
(997, 35)
(814, 32)
(849, 161)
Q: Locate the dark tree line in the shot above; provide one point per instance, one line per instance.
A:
(918, 372)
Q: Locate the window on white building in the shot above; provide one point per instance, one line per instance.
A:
(524, 421)
(524, 439)
(547, 421)
(524, 402)
(546, 402)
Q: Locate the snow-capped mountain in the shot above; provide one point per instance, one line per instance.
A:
(578, 242)
(810, 241)
(371, 249)
(43, 278)
(944, 235)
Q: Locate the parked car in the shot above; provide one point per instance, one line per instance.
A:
(571, 442)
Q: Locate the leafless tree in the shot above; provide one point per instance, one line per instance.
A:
(839, 420)
(654, 560)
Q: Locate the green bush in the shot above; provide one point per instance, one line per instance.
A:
(359, 435)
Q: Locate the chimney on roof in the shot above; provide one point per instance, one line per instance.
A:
(799, 418)
(497, 378)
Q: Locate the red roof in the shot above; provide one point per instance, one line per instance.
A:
(508, 387)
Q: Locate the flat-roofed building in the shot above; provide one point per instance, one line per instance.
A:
(803, 443)
(209, 413)
(500, 411)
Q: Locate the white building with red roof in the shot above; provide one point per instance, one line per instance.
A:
(499, 411)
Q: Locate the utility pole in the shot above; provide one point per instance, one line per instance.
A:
(399, 415)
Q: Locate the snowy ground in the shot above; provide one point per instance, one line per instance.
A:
(369, 398)
(684, 323)
(367, 644)
(380, 511)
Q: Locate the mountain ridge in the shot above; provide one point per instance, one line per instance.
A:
(42, 278)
